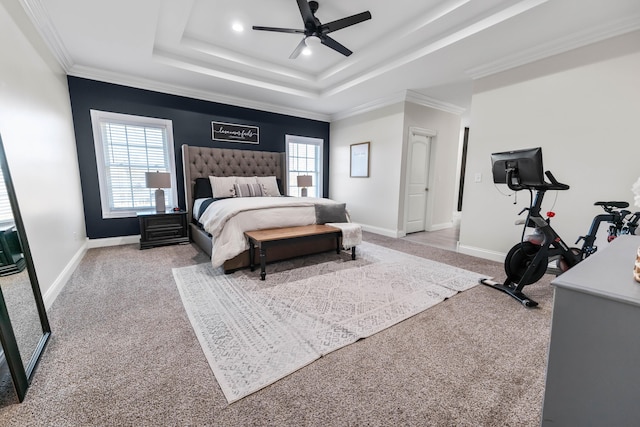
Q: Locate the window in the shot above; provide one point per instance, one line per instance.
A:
(304, 157)
(126, 148)
(6, 214)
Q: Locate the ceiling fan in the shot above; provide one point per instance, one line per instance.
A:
(313, 28)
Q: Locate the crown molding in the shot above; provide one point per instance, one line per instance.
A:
(40, 19)
(204, 68)
(425, 101)
(437, 44)
(369, 106)
(148, 84)
(243, 61)
(38, 15)
(403, 96)
(394, 37)
(586, 37)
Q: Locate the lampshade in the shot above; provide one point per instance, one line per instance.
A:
(304, 181)
(158, 179)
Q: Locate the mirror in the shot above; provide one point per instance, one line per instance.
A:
(24, 327)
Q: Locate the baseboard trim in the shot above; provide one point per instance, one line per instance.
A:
(52, 293)
(481, 253)
(442, 226)
(113, 241)
(383, 231)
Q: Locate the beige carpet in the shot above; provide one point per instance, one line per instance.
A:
(256, 332)
(123, 353)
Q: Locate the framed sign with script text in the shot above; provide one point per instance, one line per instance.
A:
(229, 132)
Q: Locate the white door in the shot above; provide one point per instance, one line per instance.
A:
(417, 179)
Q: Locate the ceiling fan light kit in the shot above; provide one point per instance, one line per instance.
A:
(315, 31)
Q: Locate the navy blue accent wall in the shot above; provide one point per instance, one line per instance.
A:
(191, 125)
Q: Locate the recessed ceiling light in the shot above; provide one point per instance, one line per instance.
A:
(306, 51)
(237, 27)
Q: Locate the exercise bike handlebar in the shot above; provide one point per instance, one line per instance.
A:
(554, 185)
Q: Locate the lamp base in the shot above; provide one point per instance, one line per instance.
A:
(160, 206)
(303, 192)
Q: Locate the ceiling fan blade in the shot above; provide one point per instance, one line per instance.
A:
(329, 42)
(344, 22)
(279, 30)
(298, 49)
(307, 14)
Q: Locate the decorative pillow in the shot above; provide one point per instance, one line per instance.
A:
(247, 190)
(270, 185)
(202, 189)
(281, 186)
(246, 180)
(222, 186)
(331, 213)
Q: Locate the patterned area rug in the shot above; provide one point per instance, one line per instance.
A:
(255, 332)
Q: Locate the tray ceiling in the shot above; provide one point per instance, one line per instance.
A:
(428, 51)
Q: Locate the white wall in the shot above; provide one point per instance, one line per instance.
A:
(377, 202)
(445, 147)
(37, 131)
(372, 202)
(582, 108)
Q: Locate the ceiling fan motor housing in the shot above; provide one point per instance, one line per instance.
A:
(314, 28)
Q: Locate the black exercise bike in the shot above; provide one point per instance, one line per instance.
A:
(534, 256)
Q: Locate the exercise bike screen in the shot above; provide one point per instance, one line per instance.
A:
(526, 165)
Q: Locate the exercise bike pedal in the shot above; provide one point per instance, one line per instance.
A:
(510, 289)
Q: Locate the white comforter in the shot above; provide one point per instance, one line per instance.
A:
(227, 220)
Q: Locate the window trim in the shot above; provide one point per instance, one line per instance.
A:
(6, 210)
(296, 139)
(98, 117)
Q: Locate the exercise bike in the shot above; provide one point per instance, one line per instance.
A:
(530, 259)
(631, 225)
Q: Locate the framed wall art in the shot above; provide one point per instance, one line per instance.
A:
(360, 160)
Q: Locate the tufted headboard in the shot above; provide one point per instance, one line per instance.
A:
(202, 162)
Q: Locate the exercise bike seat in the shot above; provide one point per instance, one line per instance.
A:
(619, 205)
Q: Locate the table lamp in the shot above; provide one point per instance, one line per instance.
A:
(158, 180)
(304, 181)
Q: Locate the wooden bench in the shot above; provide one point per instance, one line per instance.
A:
(264, 239)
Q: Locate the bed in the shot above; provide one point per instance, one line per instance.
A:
(219, 229)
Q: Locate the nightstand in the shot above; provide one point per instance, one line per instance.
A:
(163, 228)
(11, 258)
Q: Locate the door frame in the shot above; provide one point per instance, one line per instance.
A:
(430, 133)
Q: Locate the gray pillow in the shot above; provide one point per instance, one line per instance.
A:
(331, 213)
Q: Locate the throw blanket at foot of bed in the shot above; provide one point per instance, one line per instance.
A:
(351, 233)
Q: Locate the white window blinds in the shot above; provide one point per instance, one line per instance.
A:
(126, 148)
(6, 215)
